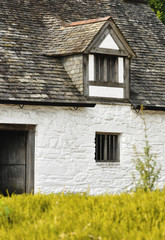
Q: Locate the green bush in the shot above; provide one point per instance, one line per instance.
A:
(134, 216)
(146, 166)
(158, 6)
(147, 169)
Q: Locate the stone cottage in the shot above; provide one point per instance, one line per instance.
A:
(73, 75)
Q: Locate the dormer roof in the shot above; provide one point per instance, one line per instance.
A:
(85, 36)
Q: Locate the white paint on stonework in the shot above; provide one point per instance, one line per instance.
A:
(91, 67)
(110, 92)
(65, 145)
(121, 70)
(109, 43)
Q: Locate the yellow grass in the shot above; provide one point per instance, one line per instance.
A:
(80, 216)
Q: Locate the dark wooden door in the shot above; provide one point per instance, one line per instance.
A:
(12, 161)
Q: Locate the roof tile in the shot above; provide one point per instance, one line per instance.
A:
(30, 27)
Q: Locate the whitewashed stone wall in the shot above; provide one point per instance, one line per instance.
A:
(65, 148)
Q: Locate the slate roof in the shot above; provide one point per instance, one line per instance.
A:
(74, 37)
(26, 29)
(26, 75)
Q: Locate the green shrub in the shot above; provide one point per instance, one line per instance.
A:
(134, 216)
(148, 171)
(146, 166)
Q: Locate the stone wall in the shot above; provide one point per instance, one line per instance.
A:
(74, 67)
(65, 145)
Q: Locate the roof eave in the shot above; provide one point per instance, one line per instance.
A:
(45, 103)
(146, 107)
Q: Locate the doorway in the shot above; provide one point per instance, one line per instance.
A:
(16, 158)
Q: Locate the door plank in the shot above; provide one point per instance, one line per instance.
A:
(12, 178)
(12, 161)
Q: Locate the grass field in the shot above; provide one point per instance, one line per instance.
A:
(80, 216)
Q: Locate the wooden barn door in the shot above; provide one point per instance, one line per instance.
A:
(16, 165)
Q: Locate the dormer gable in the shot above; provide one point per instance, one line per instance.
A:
(107, 63)
(109, 40)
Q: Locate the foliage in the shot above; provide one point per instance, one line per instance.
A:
(134, 216)
(146, 166)
(158, 6)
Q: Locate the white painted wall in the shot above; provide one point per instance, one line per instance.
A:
(65, 148)
(109, 43)
(91, 67)
(121, 69)
(109, 92)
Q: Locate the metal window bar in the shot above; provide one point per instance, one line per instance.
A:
(106, 147)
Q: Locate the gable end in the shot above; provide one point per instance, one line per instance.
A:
(120, 47)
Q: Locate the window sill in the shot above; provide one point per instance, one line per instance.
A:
(105, 84)
(105, 100)
(108, 164)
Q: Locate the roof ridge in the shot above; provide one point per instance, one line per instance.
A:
(89, 21)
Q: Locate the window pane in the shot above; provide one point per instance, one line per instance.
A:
(112, 69)
(101, 69)
(106, 68)
(97, 68)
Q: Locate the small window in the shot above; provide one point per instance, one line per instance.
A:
(106, 76)
(107, 147)
(106, 68)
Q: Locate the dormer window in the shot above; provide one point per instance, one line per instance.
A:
(106, 68)
(106, 71)
(107, 65)
(96, 57)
